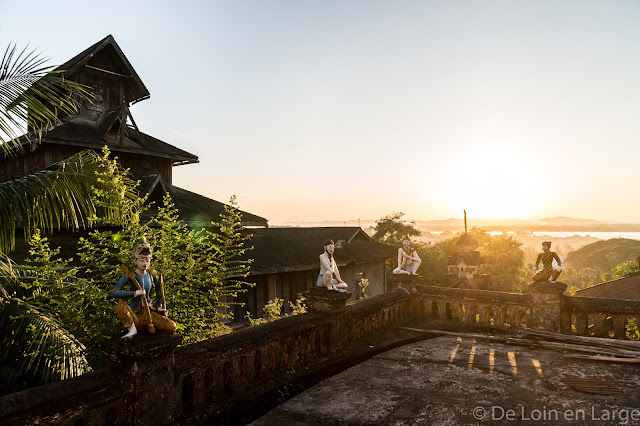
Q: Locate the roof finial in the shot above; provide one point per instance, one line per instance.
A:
(465, 221)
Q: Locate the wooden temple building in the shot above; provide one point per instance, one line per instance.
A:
(285, 259)
(464, 264)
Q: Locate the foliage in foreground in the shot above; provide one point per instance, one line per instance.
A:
(67, 194)
(363, 284)
(273, 310)
(201, 269)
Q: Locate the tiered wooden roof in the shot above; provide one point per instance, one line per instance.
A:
(298, 249)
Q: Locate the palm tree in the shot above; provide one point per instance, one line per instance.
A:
(32, 98)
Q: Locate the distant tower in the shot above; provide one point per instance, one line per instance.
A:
(462, 266)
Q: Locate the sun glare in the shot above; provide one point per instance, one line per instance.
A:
(491, 181)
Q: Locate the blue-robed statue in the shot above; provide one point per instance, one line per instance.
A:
(137, 285)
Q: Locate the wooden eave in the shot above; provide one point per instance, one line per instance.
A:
(176, 161)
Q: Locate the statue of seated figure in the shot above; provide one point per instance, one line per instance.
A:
(139, 313)
(329, 269)
(408, 260)
(548, 272)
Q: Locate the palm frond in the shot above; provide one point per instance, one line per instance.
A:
(61, 196)
(7, 275)
(33, 96)
(35, 343)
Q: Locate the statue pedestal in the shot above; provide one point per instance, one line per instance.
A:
(407, 282)
(320, 299)
(149, 363)
(547, 303)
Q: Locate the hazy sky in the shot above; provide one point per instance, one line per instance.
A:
(337, 110)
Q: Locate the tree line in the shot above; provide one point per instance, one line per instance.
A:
(505, 259)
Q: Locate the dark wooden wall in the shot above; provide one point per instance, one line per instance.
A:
(48, 154)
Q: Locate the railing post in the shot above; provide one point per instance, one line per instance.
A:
(408, 282)
(328, 302)
(546, 298)
(323, 300)
(582, 324)
(619, 329)
(148, 362)
(565, 322)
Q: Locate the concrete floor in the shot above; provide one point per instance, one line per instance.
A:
(454, 381)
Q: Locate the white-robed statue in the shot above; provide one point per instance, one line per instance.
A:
(408, 260)
(329, 269)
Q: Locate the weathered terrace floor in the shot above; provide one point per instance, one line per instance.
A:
(441, 381)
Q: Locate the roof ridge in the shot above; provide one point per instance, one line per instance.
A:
(73, 64)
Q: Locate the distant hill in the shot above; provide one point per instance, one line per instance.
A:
(550, 224)
(604, 255)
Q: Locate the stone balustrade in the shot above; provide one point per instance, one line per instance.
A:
(544, 307)
(587, 316)
(152, 380)
(475, 307)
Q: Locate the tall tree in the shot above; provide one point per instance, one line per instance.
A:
(392, 229)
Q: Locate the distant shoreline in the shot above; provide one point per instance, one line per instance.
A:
(489, 228)
(551, 224)
(527, 229)
(546, 228)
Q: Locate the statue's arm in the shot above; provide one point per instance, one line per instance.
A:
(557, 258)
(400, 258)
(414, 256)
(325, 262)
(337, 272)
(117, 291)
(538, 260)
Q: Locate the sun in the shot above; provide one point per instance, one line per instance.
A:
(490, 181)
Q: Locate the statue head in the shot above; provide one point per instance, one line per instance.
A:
(406, 244)
(546, 245)
(143, 248)
(329, 246)
(142, 253)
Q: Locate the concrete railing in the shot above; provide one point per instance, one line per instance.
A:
(152, 381)
(587, 316)
(475, 307)
(250, 362)
(544, 307)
